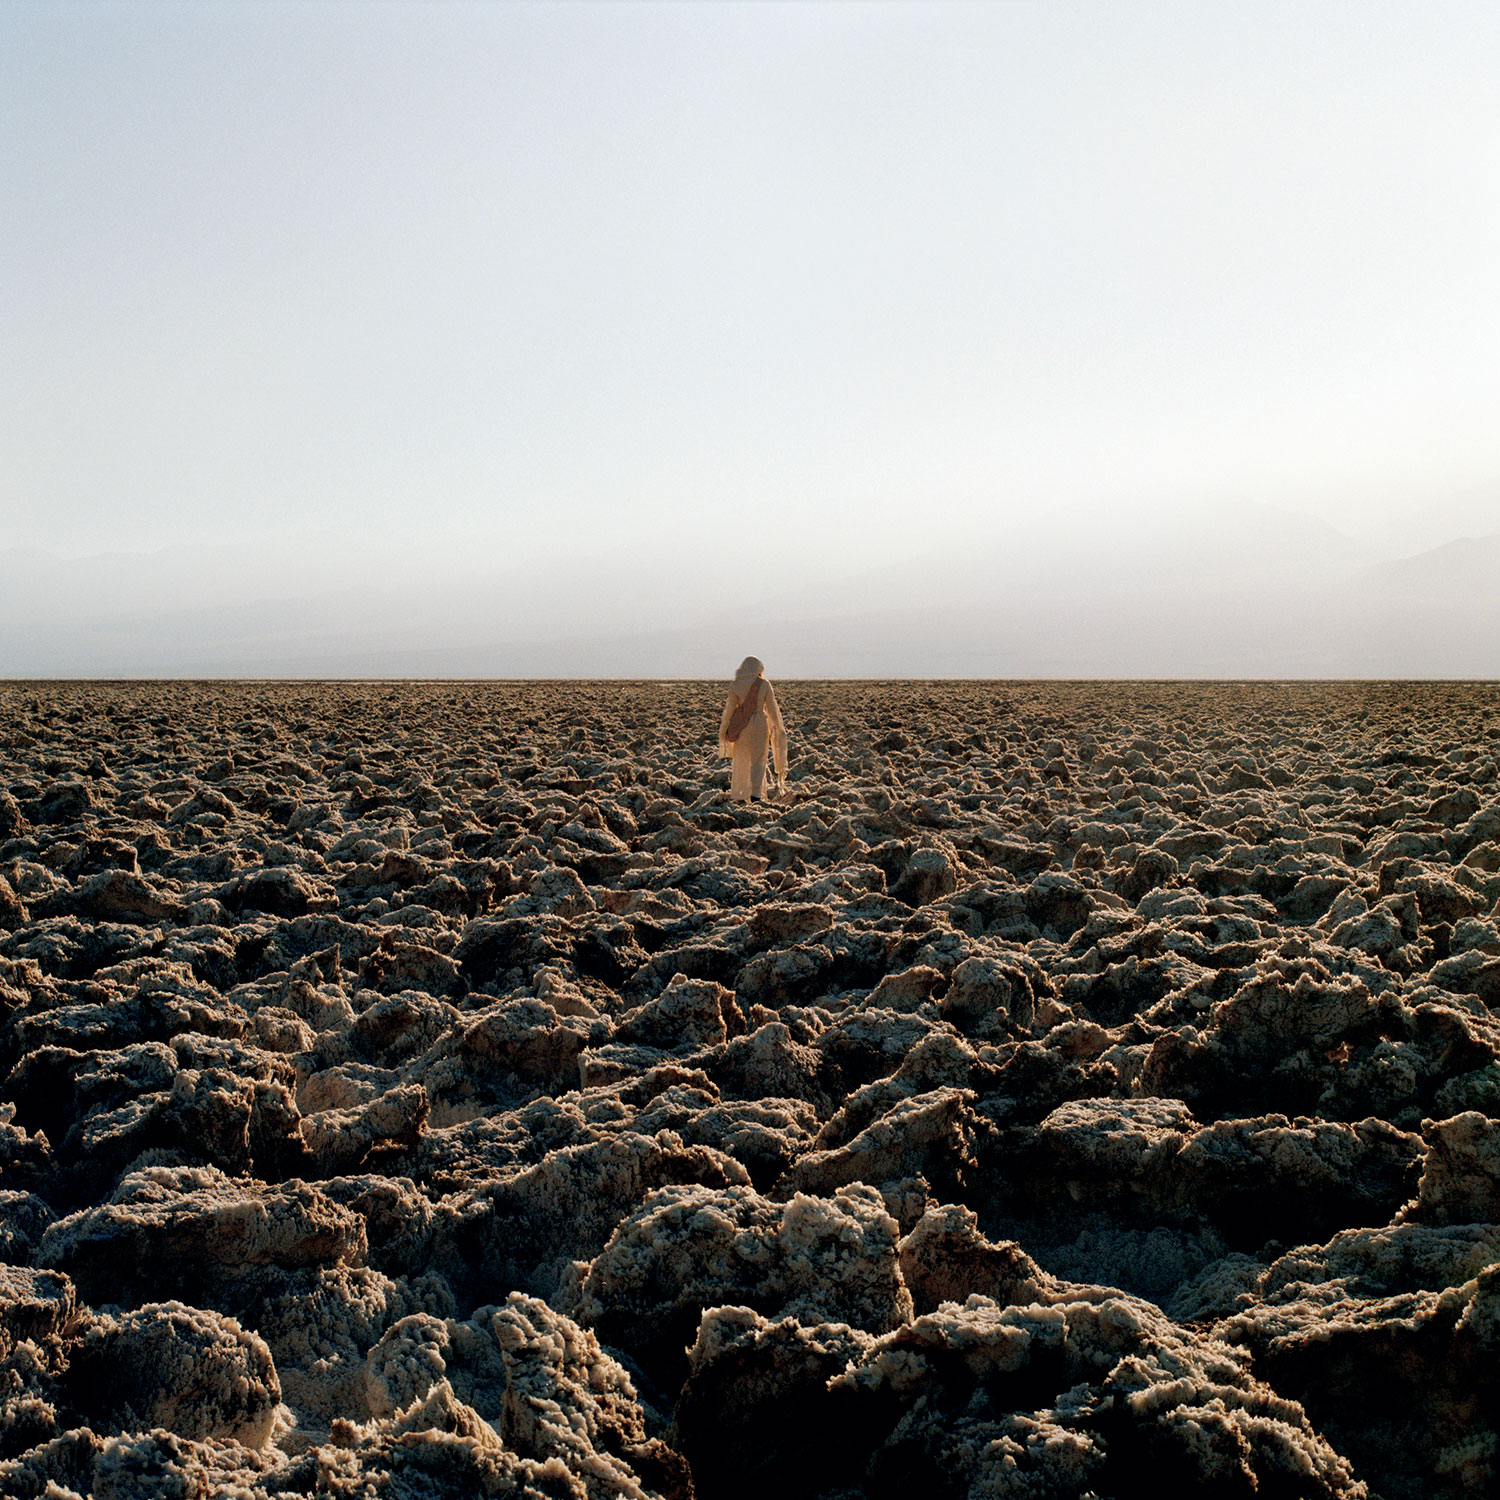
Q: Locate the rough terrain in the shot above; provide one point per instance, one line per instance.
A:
(436, 1089)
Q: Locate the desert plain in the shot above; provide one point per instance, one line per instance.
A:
(439, 1089)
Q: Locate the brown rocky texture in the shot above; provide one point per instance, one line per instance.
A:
(186, 1369)
(1065, 1090)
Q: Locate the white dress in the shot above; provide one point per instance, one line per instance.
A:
(762, 738)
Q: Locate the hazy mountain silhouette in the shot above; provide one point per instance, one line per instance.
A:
(1466, 570)
(1221, 588)
(1470, 512)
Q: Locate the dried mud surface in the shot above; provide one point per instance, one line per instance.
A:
(438, 1089)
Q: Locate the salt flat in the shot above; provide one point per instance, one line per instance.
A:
(439, 1088)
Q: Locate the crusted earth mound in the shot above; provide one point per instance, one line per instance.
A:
(1076, 1090)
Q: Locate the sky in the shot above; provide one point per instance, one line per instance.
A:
(527, 286)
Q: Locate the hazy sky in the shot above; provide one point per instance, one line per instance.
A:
(530, 278)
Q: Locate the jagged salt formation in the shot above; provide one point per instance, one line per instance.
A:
(1068, 1090)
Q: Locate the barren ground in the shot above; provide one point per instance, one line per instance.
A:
(436, 1089)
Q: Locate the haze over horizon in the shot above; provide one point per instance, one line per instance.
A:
(608, 339)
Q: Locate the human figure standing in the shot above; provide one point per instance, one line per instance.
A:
(750, 729)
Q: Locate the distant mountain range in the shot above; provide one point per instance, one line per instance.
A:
(1467, 513)
(1228, 588)
(1468, 569)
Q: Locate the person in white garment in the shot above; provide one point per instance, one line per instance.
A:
(751, 732)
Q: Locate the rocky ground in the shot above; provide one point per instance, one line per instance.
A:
(439, 1090)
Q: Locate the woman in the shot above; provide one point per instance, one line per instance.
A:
(751, 727)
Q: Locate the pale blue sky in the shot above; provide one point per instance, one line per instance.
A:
(535, 278)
